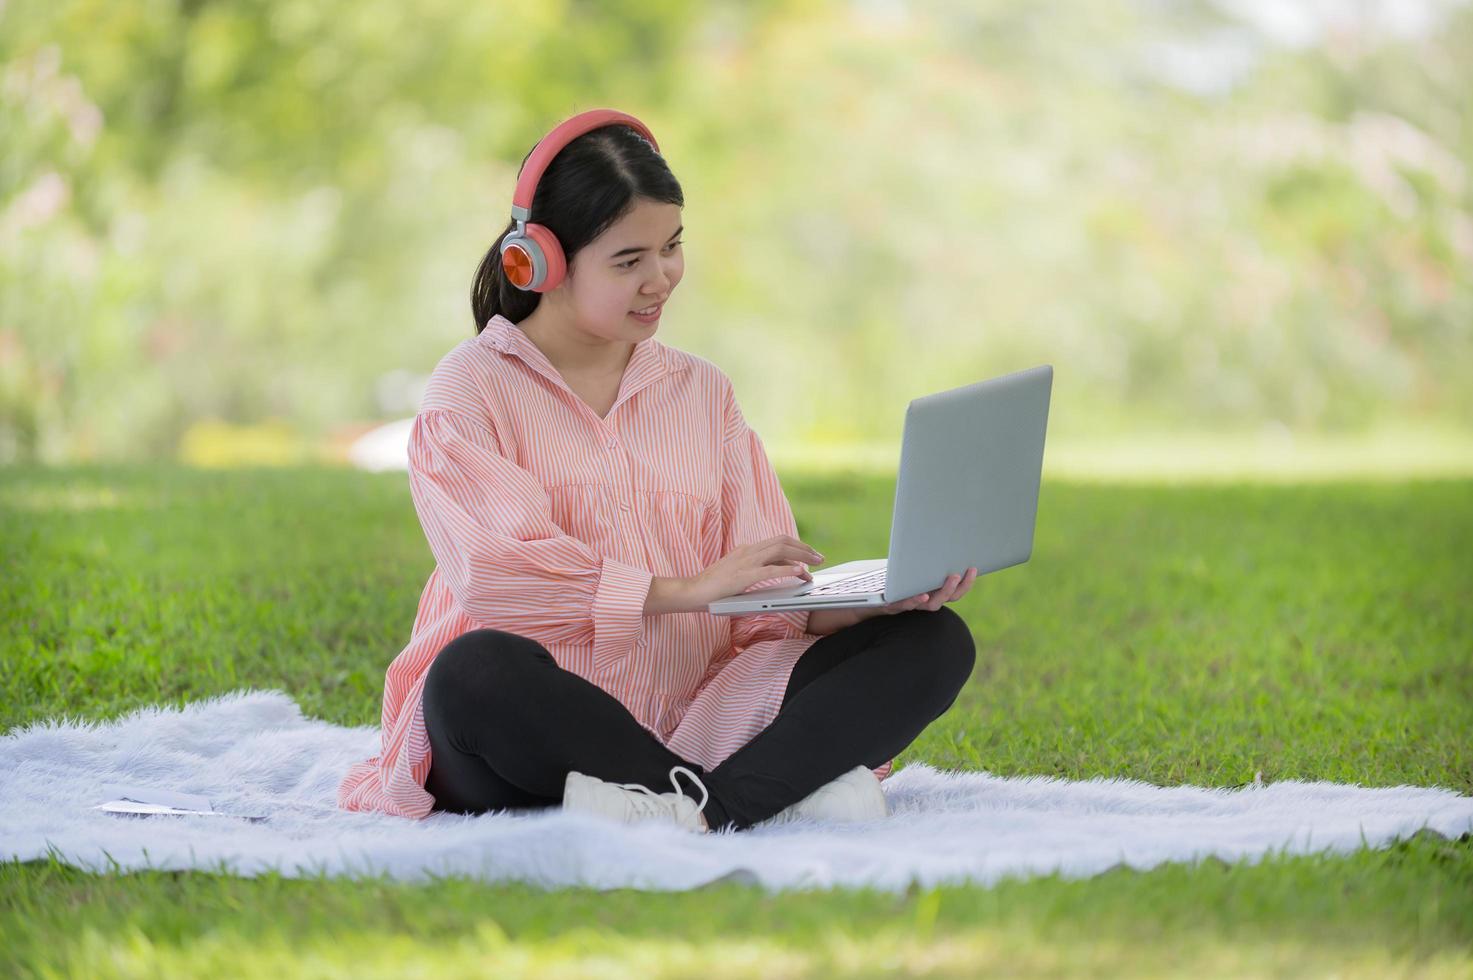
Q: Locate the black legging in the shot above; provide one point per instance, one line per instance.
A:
(506, 723)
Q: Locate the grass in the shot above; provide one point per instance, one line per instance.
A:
(1176, 634)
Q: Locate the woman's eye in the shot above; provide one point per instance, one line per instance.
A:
(630, 264)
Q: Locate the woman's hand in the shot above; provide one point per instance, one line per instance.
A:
(747, 565)
(952, 589)
(825, 621)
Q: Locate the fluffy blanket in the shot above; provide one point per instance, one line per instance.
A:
(252, 752)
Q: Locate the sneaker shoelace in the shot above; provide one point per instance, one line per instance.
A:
(653, 805)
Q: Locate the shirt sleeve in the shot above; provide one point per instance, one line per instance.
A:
(508, 565)
(754, 508)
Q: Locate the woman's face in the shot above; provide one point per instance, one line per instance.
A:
(635, 264)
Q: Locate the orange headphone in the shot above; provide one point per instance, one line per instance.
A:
(531, 257)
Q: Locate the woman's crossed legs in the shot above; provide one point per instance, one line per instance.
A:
(507, 724)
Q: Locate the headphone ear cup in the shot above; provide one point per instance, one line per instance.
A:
(533, 261)
(521, 259)
(554, 265)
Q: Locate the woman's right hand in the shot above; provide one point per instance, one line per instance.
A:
(749, 564)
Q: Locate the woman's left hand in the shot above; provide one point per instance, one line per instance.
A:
(952, 589)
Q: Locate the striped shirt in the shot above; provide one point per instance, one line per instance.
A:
(550, 522)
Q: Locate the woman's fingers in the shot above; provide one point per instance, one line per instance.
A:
(944, 594)
(950, 590)
(791, 559)
(789, 547)
(904, 605)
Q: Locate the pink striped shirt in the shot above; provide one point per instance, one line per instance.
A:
(550, 522)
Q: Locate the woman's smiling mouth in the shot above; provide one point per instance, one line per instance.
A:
(649, 314)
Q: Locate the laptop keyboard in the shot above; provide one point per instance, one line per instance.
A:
(868, 582)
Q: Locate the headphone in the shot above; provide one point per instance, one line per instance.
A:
(531, 257)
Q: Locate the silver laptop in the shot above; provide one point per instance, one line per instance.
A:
(966, 495)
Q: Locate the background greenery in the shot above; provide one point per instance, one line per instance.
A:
(1208, 216)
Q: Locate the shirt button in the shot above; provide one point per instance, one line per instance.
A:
(612, 443)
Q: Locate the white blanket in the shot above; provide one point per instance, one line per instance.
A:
(252, 752)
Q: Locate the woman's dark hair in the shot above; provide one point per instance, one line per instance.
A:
(591, 183)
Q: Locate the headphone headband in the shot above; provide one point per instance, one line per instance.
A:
(551, 144)
(531, 257)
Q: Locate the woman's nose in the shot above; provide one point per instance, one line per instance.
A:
(663, 277)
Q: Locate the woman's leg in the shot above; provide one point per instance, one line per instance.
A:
(856, 697)
(507, 724)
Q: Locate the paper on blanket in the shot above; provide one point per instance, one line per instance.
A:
(113, 792)
(118, 798)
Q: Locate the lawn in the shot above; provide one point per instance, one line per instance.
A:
(1175, 634)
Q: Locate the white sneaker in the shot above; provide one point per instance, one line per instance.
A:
(852, 797)
(631, 802)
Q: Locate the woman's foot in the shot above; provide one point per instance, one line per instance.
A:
(853, 797)
(632, 803)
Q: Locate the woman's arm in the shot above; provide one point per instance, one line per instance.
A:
(672, 595)
(668, 595)
(822, 622)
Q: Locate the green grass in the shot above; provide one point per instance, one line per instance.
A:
(1194, 634)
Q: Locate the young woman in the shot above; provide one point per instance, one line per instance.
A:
(586, 490)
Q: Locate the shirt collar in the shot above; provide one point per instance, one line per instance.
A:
(650, 360)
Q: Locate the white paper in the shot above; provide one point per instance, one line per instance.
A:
(148, 794)
(118, 798)
(133, 806)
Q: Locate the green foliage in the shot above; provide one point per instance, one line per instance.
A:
(236, 210)
(1196, 635)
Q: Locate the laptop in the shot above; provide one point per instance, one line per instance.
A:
(971, 459)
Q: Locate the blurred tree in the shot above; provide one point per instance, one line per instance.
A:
(241, 210)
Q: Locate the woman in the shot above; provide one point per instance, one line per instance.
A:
(586, 491)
